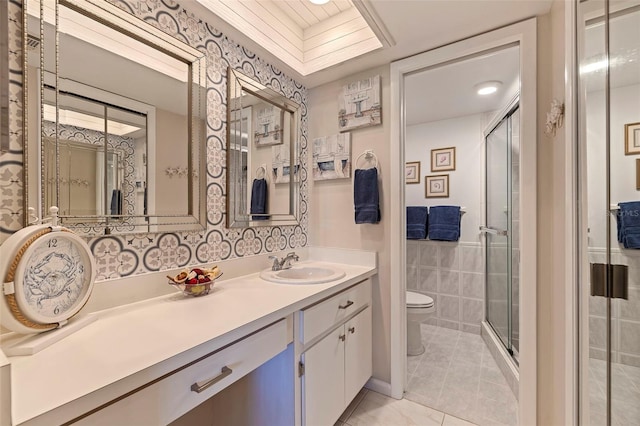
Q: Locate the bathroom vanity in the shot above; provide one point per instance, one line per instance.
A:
(152, 361)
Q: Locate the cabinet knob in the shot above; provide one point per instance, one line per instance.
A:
(349, 303)
(352, 330)
(342, 337)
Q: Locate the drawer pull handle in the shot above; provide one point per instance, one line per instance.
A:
(349, 303)
(352, 330)
(342, 337)
(201, 386)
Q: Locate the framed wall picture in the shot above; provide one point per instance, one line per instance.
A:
(638, 174)
(632, 139)
(443, 159)
(412, 172)
(360, 104)
(268, 125)
(332, 157)
(436, 186)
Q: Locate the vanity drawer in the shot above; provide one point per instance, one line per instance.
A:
(320, 317)
(166, 400)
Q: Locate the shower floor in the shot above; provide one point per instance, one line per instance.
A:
(625, 394)
(458, 376)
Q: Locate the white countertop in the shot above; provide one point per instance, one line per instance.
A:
(129, 346)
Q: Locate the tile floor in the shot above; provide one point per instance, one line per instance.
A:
(458, 376)
(373, 409)
(625, 394)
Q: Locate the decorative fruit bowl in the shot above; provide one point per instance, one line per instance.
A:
(196, 281)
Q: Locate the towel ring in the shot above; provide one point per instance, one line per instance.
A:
(260, 169)
(368, 155)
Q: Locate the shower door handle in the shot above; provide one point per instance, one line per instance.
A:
(609, 280)
(493, 231)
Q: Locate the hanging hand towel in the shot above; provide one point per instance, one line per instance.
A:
(417, 218)
(629, 224)
(444, 223)
(259, 199)
(365, 196)
(116, 202)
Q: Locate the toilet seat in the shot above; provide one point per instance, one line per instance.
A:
(418, 300)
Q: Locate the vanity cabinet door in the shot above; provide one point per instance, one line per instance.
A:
(358, 356)
(323, 380)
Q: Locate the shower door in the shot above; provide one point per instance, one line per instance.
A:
(608, 35)
(501, 230)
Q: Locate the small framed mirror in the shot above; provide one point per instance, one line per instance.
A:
(263, 155)
(116, 115)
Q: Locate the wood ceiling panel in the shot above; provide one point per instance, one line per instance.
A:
(330, 8)
(303, 11)
(343, 4)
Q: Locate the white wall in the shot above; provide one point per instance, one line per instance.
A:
(625, 104)
(465, 183)
(331, 218)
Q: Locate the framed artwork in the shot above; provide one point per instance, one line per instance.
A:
(632, 139)
(360, 104)
(332, 157)
(436, 186)
(443, 159)
(638, 174)
(412, 172)
(268, 126)
(281, 164)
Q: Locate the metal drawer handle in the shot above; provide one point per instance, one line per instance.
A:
(342, 337)
(352, 330)
(201, 386)
(349, 303)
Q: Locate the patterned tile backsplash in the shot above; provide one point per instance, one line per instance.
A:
(123, 255)
(451, 274)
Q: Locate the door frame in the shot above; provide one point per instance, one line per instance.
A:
(525, 35)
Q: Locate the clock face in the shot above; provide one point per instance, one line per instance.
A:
(56, 277)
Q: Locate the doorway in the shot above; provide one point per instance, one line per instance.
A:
(524, 36)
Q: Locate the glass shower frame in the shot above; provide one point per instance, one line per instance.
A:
(500, 263)
(605, 379)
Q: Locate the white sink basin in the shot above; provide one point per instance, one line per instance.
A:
(302, 275)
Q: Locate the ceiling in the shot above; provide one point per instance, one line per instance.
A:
(401, 27)
(448, 91)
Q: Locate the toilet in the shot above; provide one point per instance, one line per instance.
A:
(419, 306)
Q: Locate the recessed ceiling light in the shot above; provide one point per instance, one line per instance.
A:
(488, 87)
(319, 1)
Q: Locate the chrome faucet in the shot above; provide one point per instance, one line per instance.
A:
(285, 262)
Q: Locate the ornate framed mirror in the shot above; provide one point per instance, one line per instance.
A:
(115, 111)
(263, 155)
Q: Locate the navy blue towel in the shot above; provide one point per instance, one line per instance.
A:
(444, 223)
(116, 202)
(629, 224)
(365, 196)
(417, 218)
(259, 199)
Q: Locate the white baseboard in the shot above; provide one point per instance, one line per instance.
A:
(379, 386)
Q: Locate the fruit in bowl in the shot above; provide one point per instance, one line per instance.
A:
(195, 281)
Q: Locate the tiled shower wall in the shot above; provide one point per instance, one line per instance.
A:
(625, 325)
(452, 274)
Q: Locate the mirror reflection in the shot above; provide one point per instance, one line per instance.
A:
(121, 114)
(263, 153)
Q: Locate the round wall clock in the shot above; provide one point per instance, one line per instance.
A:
(48, 274)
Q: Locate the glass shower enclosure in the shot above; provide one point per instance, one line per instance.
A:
(501, 230)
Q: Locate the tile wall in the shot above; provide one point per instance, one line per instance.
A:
(135, 254)
(452, 274)
(625, 324)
